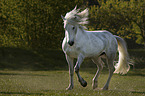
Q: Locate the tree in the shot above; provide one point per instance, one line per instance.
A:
(11, 23)
(124, 18)
(33, 23)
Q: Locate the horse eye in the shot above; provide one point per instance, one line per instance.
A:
(73, 28)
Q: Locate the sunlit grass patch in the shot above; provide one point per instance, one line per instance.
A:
(53, 83)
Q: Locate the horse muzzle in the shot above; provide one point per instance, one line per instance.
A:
(71, 43)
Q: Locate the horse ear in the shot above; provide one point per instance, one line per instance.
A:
(63, 18)
(75, 7)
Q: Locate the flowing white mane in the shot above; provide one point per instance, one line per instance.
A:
(77, 17)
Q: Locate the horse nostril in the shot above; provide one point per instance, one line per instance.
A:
(71, 43)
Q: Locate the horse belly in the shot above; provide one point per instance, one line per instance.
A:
(92, 53)
(94, 48)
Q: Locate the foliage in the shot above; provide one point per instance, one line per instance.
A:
(125, 18)
(33, 23)
(37, 23)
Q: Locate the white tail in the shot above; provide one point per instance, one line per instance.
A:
(122, 66)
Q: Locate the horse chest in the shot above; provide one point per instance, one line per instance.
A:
(72, 52)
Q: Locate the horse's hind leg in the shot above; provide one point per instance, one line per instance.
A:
(98, 62)
(111, 70)
(77, 67)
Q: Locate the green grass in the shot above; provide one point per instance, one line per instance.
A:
(45, 72)
(53, 83)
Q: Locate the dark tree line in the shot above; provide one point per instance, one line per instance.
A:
(33, 23)
(37, 23)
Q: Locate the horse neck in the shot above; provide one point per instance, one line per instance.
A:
(81, 32)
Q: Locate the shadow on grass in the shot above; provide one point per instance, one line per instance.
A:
(134, 92)
(21, 74)
(43, 59)
(138, 92)
(136, 74)
(20, 93)
(36, 60)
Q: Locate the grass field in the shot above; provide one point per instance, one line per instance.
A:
(45, 72)
(53, 83)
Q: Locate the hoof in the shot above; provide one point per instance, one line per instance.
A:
(94, 84)
(69, 88)
(104, 89)
(83, 83)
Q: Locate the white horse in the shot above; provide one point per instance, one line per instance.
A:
(79, 43)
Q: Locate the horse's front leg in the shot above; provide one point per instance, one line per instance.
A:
(71, 72)
(77, 67)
